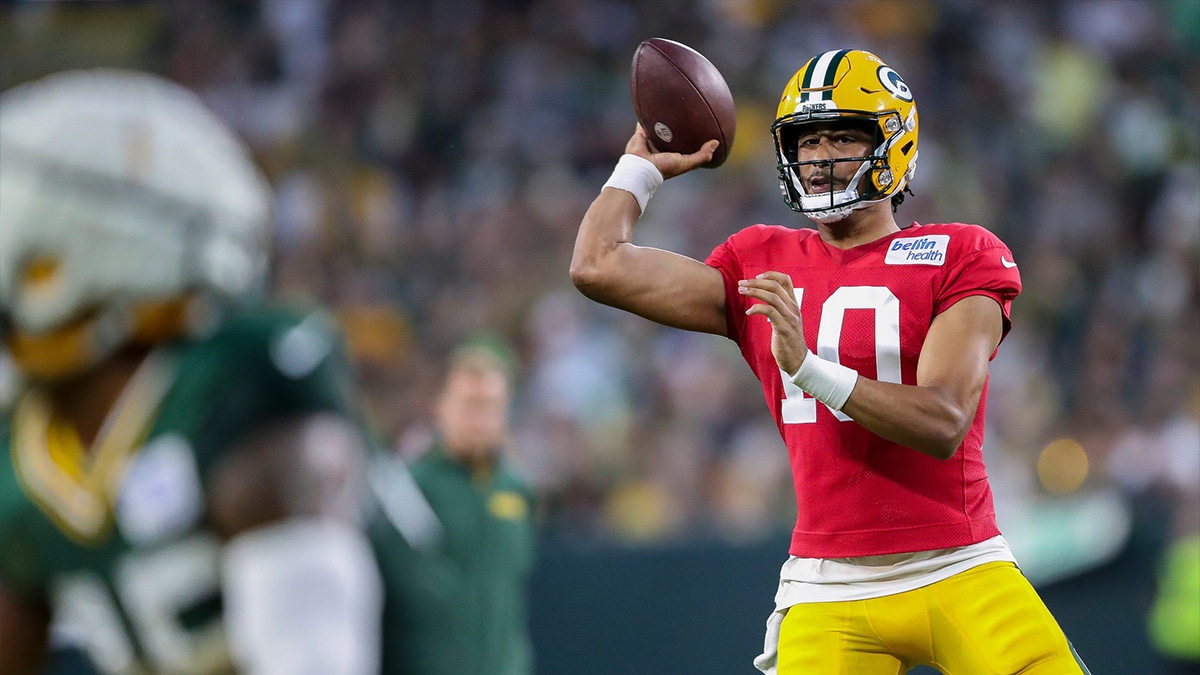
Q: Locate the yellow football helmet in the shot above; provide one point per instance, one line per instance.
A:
(854, 86)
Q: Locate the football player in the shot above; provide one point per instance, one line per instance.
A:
(183, 475)
(872, 344)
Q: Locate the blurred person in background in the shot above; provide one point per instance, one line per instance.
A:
(896, 559)
(486, 507)
(183, 471)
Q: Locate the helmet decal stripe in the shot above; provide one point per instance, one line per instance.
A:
(817, 73)
(807, 81)
(831, 74)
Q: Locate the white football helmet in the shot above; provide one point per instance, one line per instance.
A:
(120, 194)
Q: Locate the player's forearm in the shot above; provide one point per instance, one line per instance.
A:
(934, 416)
(607, 228)
(658, 285)
(924, 418)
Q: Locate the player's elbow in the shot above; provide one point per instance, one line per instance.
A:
(944, 423)
(583, 274)
(937, 447)
(591, 278)
(585, 278)
(941, 450)
(945, 441)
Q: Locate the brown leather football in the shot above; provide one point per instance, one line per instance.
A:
(681, 99)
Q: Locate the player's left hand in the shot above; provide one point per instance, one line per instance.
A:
(778, 304)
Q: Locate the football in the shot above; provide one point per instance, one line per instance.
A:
(681, 99)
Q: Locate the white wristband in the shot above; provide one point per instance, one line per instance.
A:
(828, 382)
(636, 175)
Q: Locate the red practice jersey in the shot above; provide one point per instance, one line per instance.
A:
(869, 308)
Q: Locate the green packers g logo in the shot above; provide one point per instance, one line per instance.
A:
(891, 81)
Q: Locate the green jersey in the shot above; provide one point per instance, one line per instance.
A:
(115, 535)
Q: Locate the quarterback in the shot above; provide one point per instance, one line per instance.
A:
(872, 344)
(183, 477)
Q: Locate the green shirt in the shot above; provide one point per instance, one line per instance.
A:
(489, 536)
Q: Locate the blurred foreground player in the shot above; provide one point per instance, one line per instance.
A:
(895, 558)
(182, 478)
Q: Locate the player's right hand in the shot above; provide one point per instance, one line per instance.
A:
(669, 164)
(777, 302)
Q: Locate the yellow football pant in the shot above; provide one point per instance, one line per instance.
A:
(985, 621)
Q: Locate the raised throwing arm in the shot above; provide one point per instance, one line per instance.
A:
(662, 286)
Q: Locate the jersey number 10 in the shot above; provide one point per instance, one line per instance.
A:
(800, 408)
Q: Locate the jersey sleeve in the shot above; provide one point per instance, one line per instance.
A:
(726, 260)
(983, 266)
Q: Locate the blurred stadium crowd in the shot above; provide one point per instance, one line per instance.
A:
(433, 158)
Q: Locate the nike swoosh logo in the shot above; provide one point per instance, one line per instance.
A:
(1004, 261)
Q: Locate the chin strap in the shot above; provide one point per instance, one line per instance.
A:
(831, 216)
(810, 205)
